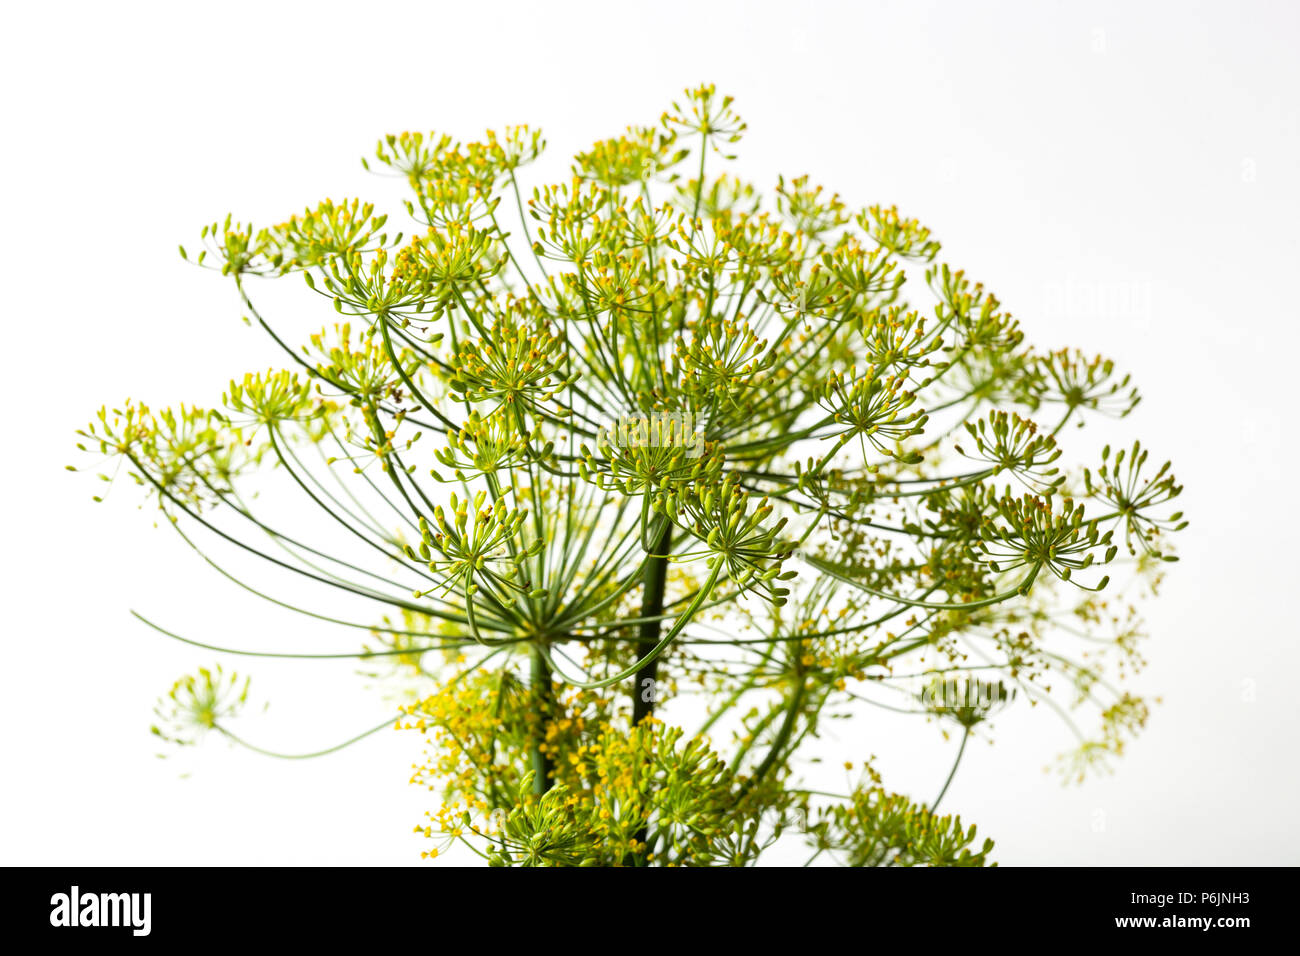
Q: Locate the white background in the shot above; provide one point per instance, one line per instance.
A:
(1123, 175)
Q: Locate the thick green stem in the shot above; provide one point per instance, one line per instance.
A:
(646, 689)
(541, 686)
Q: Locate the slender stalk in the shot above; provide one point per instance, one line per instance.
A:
(953, 772)
(792, 712)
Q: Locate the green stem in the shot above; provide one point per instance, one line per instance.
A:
(782, 736)
(645, 688)
(953, 772)
(699, 182)
(541, 686)
(652, 609)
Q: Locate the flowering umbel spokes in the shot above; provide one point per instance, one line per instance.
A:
(1032, 533)
(1135, 498)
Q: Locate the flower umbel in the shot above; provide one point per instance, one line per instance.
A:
(645, 446)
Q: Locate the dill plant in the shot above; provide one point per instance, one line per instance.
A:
(638, 449)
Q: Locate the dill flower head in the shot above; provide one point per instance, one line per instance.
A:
(644, 434)
(197, 703)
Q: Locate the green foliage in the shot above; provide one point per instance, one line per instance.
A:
(687, 457)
